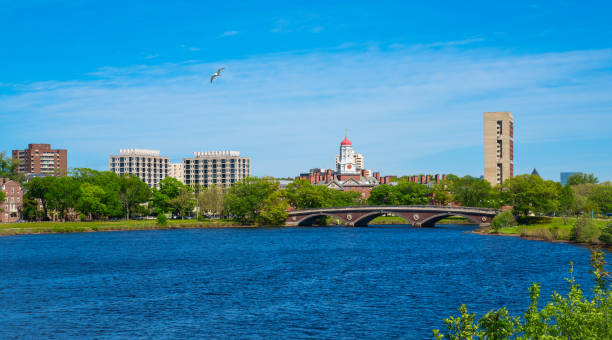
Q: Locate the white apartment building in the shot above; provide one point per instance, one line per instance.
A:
(176, 171)
(148, 165)
(223, 168)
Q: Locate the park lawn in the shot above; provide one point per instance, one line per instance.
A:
(72, 227)
(547, 228)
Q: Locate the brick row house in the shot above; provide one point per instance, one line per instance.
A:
(12, 207)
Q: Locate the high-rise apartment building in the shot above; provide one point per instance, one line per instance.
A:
(498, 146)
(176, 171)
(40, 159)
(223, 168)
(148, 165)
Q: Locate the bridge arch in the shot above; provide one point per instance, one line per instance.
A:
(308, 220)
(365, 219)
(431, 221)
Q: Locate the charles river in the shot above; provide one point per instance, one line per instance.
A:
(254, 283)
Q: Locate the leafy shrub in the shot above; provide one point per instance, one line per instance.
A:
(574, 316)
(503, 220)
(585, 230)
(606, 234)
(162, 219)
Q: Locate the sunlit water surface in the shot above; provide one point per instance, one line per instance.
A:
(375, 282)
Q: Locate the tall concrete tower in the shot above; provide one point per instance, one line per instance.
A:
(498, 146)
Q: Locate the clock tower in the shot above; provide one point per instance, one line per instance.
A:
(346, 164)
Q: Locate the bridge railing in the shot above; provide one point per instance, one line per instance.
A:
(383, 207)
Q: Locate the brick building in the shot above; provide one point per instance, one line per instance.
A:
(12, 207)
(40, 159)
(349, 174)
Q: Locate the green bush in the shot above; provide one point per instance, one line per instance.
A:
(503, 220)
(162, 219)
(574, 316)
(585, 230)
(606, 234)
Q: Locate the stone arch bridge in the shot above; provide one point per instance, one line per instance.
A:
(417, 216)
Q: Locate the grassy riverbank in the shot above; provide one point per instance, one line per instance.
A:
(399, 220)
(76, 227)
(545, 228)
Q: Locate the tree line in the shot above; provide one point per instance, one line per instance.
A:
(526, 194)
(88, 195)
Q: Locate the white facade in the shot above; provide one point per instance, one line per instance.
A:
(346, 164)
(176, 171)
(223, 168)
(148, 165)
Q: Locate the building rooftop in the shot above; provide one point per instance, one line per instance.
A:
(225, 153)
(139, 152)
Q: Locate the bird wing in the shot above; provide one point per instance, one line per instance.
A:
(213, 77)
(221, 69)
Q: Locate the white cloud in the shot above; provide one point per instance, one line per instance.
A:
(229, 34)
(288, 112)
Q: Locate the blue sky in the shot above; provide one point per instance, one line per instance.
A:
(409, 81)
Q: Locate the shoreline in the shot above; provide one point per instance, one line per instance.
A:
(479, 231)
(82, 227)
(39, 228)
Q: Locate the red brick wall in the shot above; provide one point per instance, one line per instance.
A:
(12, 206)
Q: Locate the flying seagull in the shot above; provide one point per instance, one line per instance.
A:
(217, 74)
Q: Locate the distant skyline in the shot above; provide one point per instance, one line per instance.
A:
(410, 82)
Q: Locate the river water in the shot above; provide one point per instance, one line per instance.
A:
(321, 282)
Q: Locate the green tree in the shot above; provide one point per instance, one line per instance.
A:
(577, 179)
(411, 193)
(504, 219)
(606, 234)
(38, 188)
(585, 230)
(132, 193)
(274, 209)
(161, 219)
(383, 195)
(169, 189)
(109, 182)
(301, 194)
(601, 197)
(62, 195)
(30, 209)
(339, 198)
(441, 192)
(210, 200)
(184, 202)
(471, 192)
(530, 194)
(567, 202)
(9, 168)
(90, 201)
(245, 199)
